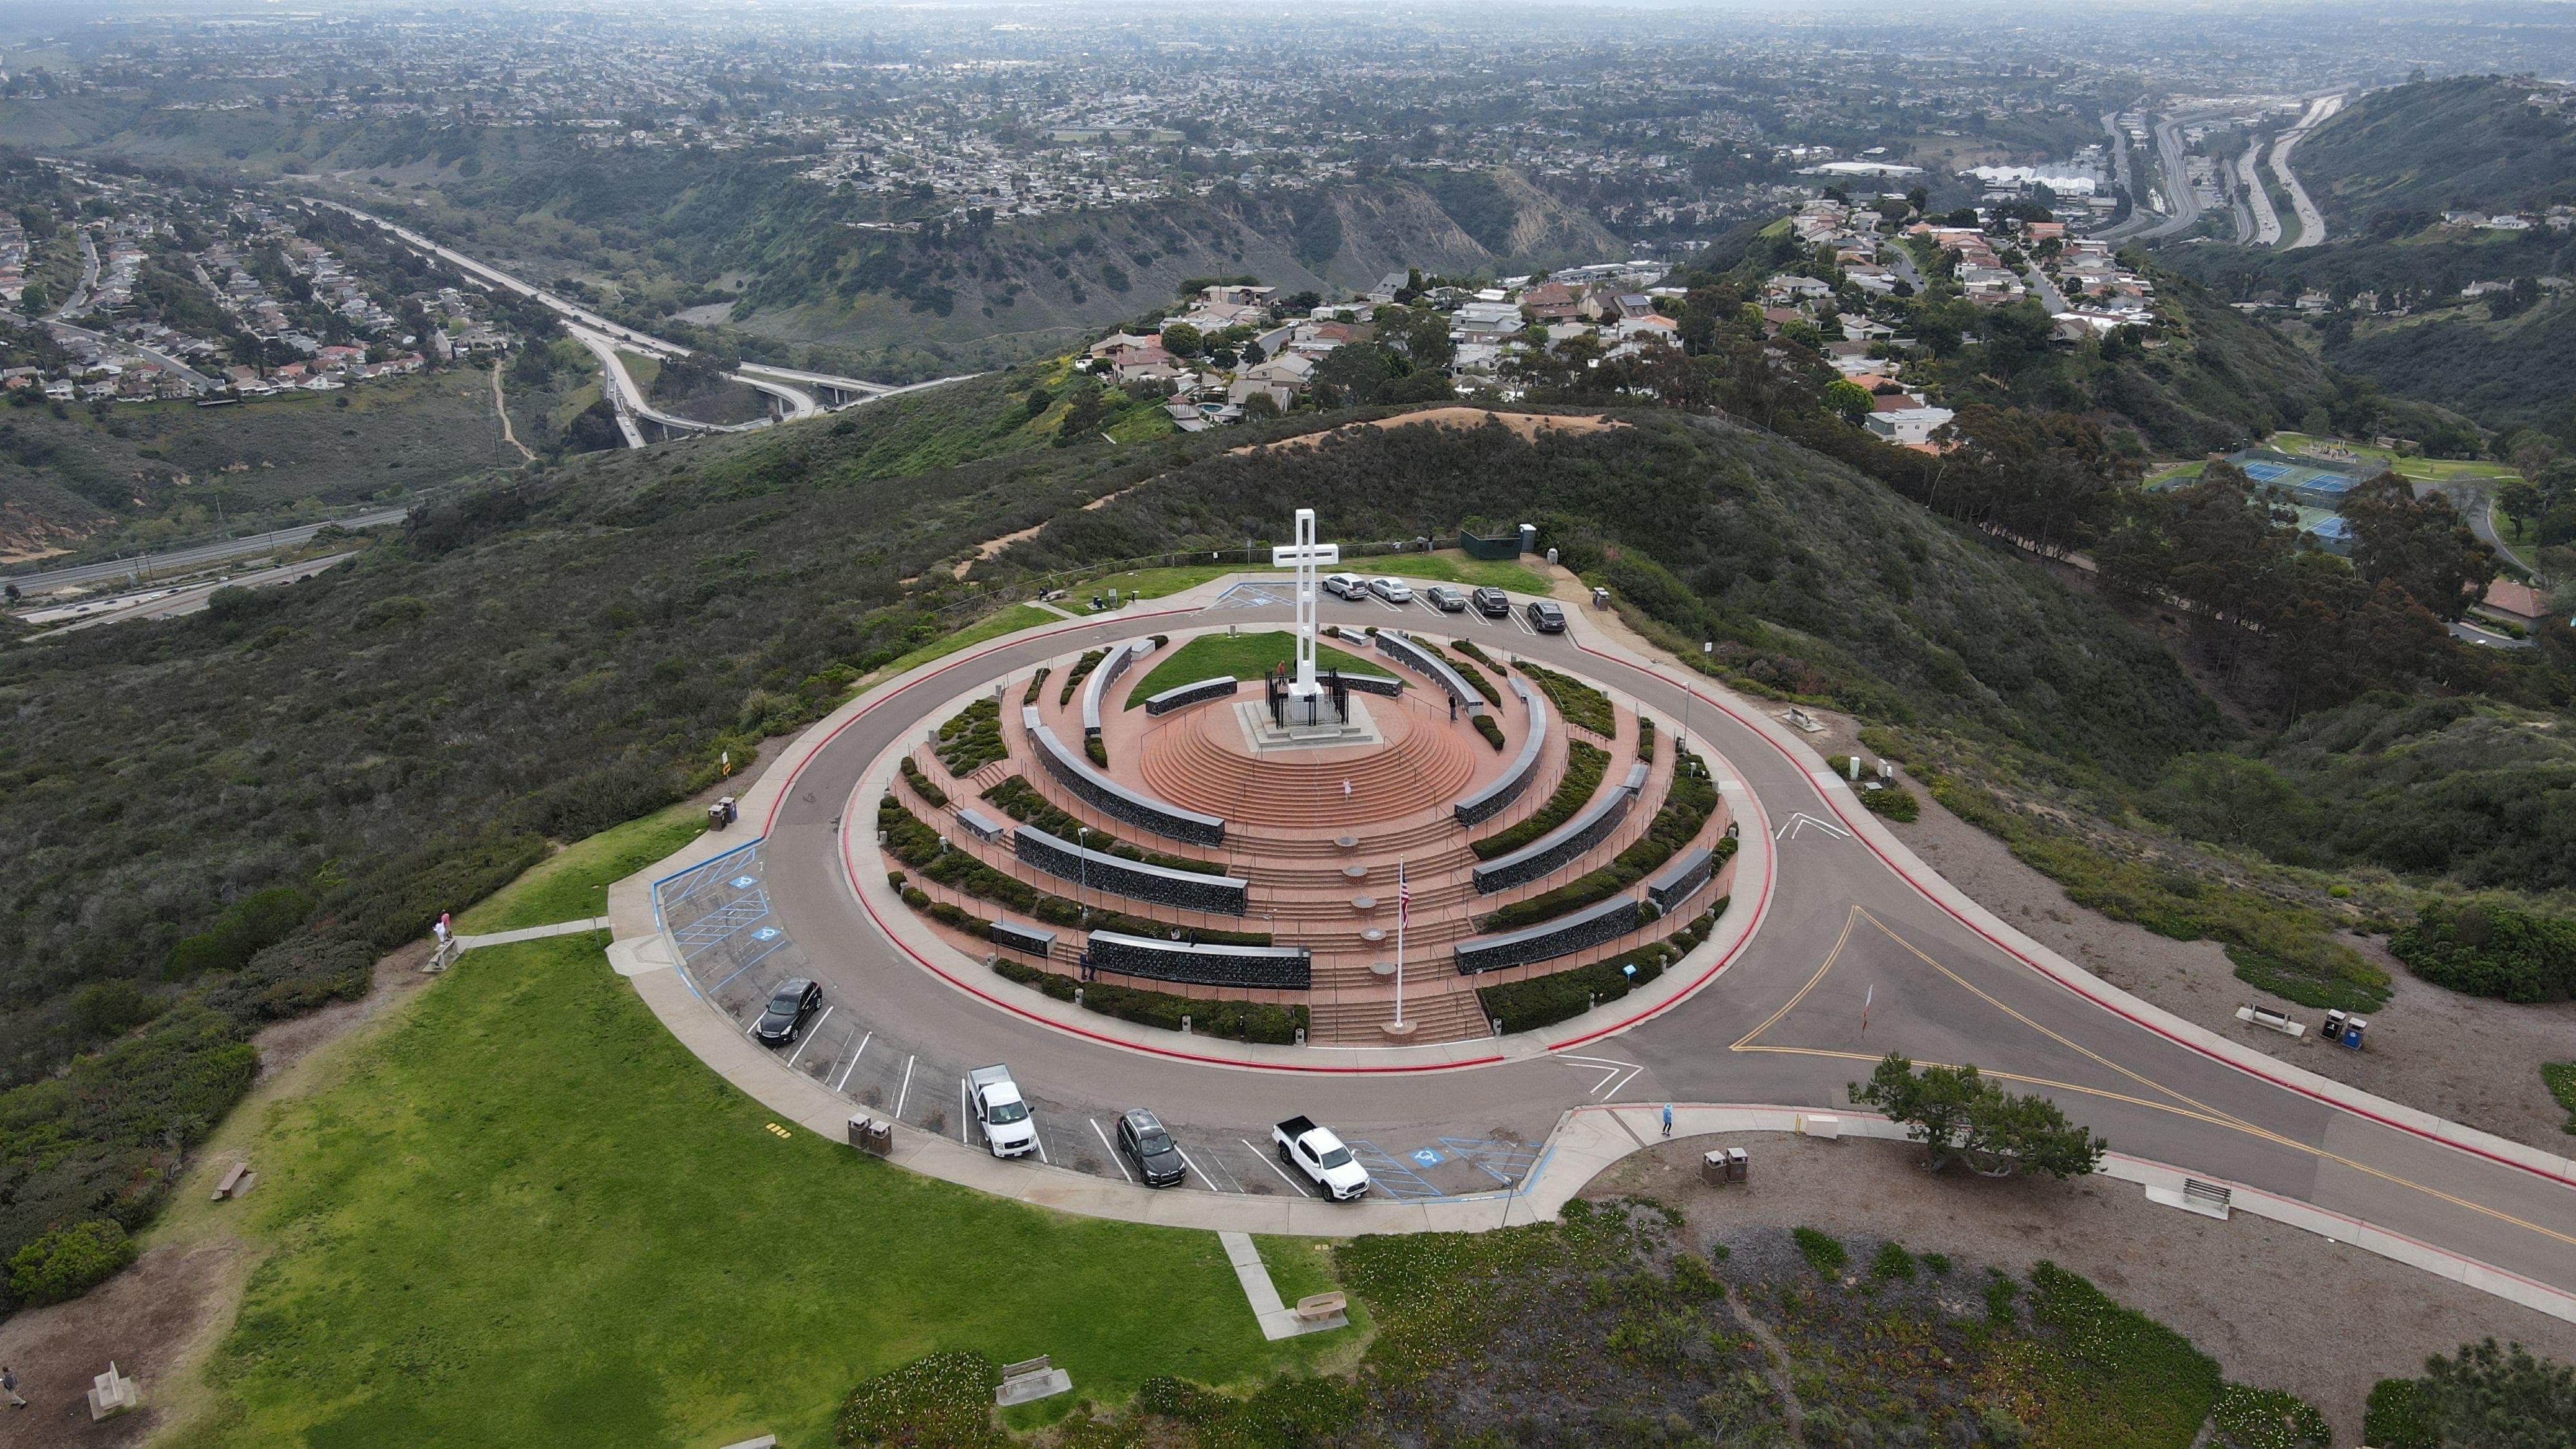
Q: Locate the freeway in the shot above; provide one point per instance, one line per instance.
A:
(2267, 220)
(2312, 222)
(1855, 949)
(146, 565)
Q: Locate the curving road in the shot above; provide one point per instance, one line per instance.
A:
(2312, 222)
(1850, 918)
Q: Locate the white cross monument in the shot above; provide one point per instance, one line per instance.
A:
(1305, 554)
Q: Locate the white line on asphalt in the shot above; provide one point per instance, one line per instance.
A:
(1275, 1167)
(809, 1036)
(1231, 1182)
(1194, 1167)
(854, 1060)
(1113, 1152)
(964, 1111)
(905, 1095)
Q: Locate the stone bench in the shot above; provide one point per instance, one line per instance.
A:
(1112, 799)
(1676, 882)
(1567, 842)
(1497, 794)
(1316, 1307)
(1034, 940)
(980, 825)
(1548, 940)
(1029, 1380)
(2266, 1016)
(1399, 646)
(1138, 880)
(1278, 968)
(1182, 696)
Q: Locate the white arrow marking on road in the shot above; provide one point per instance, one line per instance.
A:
(1612, 1071)
(1790, 828)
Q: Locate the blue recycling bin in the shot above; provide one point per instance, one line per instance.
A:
(2352, 1030)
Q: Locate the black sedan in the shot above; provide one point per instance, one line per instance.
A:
(1492, 603)
(795, 999)
(1142, 1140)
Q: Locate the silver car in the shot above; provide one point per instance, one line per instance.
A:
(1394, 591)
(1446, 599)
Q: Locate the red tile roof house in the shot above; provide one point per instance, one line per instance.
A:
(2517, 604)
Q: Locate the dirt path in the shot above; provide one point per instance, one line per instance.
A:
(2251, 1294)
(160, 1319)
(1528, 425)
(503, 413)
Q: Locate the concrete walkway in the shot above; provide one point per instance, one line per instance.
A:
(1278, 1320)
(531, 933)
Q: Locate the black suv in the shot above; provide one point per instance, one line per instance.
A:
(1546, 617)
(1492, 603)
(795, 999)
(1143, 1141)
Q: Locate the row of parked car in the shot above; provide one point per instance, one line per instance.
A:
(1010, 1130)
(1544, 615)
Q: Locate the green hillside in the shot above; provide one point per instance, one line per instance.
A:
(2472, 142)
(2493, 370)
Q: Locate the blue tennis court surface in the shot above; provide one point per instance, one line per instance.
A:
(2268, 472)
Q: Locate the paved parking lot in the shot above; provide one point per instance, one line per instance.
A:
(735, 954)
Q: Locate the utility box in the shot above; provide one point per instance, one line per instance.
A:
(1810, 1125)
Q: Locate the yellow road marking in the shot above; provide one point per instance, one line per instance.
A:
(2204, 1112)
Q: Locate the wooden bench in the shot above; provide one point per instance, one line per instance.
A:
(1315, 1307)
(236, 1181)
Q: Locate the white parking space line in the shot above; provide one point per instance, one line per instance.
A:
(1190, 1163)
(905, 1095)
(1521, 622)
(1038, 1139)
(964, 1111)
(809, 1036)
(1113, 1152)
(1275, 1167)
(854, 1061)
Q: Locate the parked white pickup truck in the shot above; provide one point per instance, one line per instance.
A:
(1001, 1112)
(1316, 1152)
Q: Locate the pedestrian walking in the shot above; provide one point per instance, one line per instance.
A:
(9, 1386)
(1668, 1119)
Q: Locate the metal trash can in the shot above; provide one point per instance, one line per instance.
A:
(722, 813)
(1736, 1164)
(872, 1137)
(1713, 1168)
(2333, 1030)
(2353, 1027)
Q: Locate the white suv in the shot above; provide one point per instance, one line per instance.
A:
(1347, 586)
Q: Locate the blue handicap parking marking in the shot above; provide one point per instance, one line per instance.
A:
(764, 933)
(743, 882)
(1427, 1157)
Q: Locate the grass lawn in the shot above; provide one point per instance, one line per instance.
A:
(645, 370)
(572, 884)
(1008, 621)
(1447, 567)
(1245, 656)
(518, 1213)
(2436, 470)
(2561, 1077)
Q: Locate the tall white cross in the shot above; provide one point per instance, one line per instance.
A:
(1305, 554)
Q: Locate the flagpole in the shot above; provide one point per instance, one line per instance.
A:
(1403, 910)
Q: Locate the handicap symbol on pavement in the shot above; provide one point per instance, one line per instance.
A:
(1427, 1157)
(743, 882)
(764, 933)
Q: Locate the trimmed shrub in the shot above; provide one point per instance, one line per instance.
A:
(1036, 681)
(1892, 1263)
(2399, 1416)
(1582, 705)
(1685, 811)
(1894, 802)
(68, 1261)
(1645, 739)
(1080, 671)
(930, 794)
(973, 739)
(1492, 732)
(1098, 749)
(1249, 1021)
(1021, 801)
(1584, 766)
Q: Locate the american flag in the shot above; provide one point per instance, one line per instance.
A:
(1403, 896)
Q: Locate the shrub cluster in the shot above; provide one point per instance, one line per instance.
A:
(2486, 949)
(944, 1401)
(1685, 811)
(1021, 801)
(1584, 766)
(1036, 682)
(1080, 671)
(1546, 1000)
(1582, 705)
(1893, 801)
(917, 845)
(1823, 1251)
(1484, 685)
(973, 739)
(2252, 1418)
(930, 793)
(1492, 732)
(1233, 1020)
(1645, 739)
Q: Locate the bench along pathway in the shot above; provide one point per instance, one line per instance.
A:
(1278, 1320)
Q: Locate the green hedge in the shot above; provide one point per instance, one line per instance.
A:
(1036, 682)
(1492, 732)
(1080, 671)
(1685, 811)
(1466, 671)
(1021, 801)
(1645, 739)
(2252, 1418)
(1584, 766)
(973, 739)
(1546, 1000)
(2485, 949)
(1233, 1020)
(1580, 703)
(2398, 1415)
(68, 1261)
(1893, 801)
(922, 786)
(917, 845)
